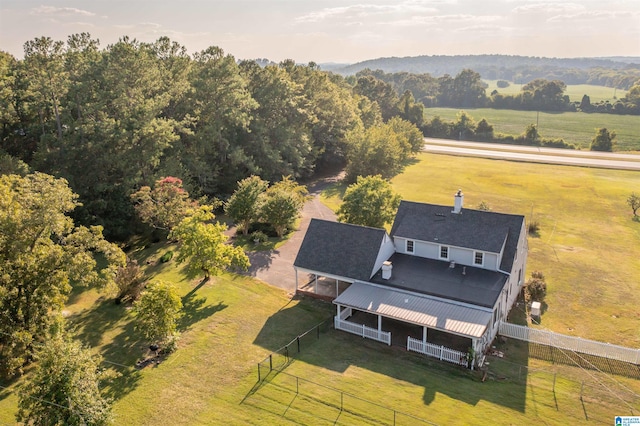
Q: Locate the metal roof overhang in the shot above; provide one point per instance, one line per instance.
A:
(416, 309)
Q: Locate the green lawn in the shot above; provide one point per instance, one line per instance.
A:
(574, 127)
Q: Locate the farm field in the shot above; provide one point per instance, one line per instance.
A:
(591, 276)
(574, 127)
(574, 91)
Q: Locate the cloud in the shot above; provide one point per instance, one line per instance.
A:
(549, 8)
(444, 19)
(360, 11)
(60, 11)
(595, 15)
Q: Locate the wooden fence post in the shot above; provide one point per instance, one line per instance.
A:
(298, 340)
(554, 382)
(270, 362)
(581, 389)
(258, 371)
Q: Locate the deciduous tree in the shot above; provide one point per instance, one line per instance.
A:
(634, 203)
(164, 206)
(603, 141)
(157, 311)
(41, 253)
(203, 245)
(281, 204)
(243, 206)
(64, 388)
(369, 202)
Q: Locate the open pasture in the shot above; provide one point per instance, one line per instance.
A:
(577, 128)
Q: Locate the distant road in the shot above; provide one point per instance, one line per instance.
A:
(568, 157)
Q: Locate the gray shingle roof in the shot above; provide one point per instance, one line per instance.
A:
(435, 277)
(340, 249)
(473, 229)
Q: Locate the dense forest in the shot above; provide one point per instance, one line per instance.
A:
(112, 120)
(619, 72)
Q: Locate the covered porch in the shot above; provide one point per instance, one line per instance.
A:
(432, 327)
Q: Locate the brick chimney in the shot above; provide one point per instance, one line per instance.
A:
(458, 201)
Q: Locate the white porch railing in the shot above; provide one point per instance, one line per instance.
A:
(345, 313)
(362, 330)
(437, 351)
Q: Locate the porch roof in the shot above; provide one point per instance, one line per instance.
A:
(415, 308)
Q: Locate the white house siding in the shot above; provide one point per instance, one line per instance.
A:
(386, 250)
(491, 261)
(459, 255)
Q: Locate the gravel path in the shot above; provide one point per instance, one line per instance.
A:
(275, 267)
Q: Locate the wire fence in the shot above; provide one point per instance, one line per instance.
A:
(583, 395)
(280, 358)
(302, 398)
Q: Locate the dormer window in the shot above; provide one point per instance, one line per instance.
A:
(478, 258)
(444, 252)
(409, 246)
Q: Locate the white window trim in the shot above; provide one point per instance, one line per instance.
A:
(440, 252)
(475, 254)
(413, 246)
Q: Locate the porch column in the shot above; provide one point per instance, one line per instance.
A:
(424, 334)
(316, 275)
(379, 323)
(337, 288)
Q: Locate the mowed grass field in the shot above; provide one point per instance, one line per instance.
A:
(588, 248)
(577, 128)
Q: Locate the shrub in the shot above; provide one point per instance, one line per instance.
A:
(534, 228)
(536, 287)
(130, 282)
(259, 237)
(166, 257)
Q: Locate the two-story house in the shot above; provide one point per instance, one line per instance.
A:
(443, 277)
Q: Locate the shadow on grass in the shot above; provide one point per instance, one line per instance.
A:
(122, 353)
(89, 325)
(194, 309)
(338, 351)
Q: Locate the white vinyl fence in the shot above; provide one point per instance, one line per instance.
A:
(441, 352)
(362, 330)
(571, 343)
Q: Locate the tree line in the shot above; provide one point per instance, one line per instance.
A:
(620, 72)
(467, 90)
(112, 120)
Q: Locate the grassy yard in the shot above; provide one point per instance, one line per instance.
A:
(231, 323)
(574, 127)
(370, 381)
(588, 248)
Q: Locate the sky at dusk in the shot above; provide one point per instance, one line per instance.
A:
(339, 31)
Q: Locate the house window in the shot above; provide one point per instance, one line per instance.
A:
(444, 252)
(478, 258)
(409, 246)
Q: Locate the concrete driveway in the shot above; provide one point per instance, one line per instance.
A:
(275, 267)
